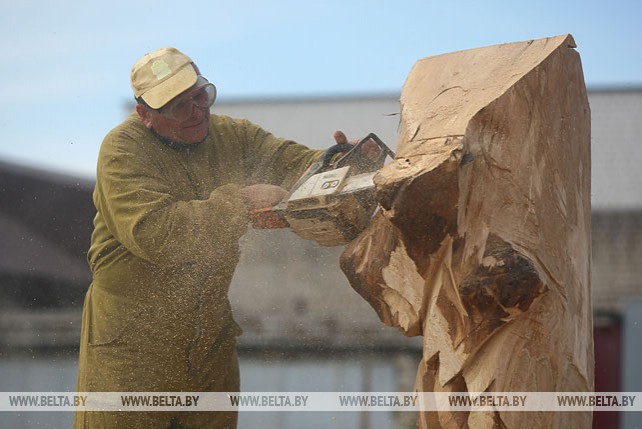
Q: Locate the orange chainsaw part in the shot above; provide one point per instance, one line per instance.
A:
(267, 218)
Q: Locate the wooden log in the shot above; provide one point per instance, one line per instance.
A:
(482, 244)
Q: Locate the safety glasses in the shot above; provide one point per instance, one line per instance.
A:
(202, 95)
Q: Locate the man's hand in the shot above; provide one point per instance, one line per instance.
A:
(262, 196)
(369, 148)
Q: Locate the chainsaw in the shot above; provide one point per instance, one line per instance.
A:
(333, 201)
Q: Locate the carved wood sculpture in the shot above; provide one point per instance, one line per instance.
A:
(482, 244)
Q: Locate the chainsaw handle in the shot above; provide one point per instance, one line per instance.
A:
(365, 163)
(332, 151)
(375, 138)
(346, 148)
(382, 145)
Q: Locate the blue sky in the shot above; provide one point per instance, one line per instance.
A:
(65, 65)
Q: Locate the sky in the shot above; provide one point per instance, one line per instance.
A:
(64, 68)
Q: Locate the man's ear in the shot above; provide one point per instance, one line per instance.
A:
(145, 115)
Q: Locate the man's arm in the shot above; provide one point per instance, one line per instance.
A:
(140, 208)
(273, 160)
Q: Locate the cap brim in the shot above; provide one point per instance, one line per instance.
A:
(164, 92)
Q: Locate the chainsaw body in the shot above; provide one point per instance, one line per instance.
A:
(333, 201)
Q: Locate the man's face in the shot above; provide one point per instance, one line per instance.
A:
(185, 119)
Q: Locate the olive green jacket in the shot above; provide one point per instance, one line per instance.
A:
(165, 243)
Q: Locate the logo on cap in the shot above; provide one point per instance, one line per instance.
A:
(160, 69)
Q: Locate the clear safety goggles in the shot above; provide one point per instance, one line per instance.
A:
(201, 95)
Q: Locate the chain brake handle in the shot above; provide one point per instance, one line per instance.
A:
(354, 156)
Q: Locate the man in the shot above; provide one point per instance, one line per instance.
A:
(173, 187)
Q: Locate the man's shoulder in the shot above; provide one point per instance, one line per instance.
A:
(123, 136)
(223, 120)
(131, 125)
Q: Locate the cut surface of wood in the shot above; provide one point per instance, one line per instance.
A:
(482, 244)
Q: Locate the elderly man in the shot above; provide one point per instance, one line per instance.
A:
(173, 187)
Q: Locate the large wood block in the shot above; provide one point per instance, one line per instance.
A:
(483, 241)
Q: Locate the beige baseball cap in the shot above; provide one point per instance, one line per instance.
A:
(161, 75)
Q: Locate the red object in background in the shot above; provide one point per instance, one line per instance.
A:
(608, 353)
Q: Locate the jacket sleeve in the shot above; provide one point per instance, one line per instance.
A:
(274, 160)
(141, 211)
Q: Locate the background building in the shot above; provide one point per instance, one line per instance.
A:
(305, 328)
